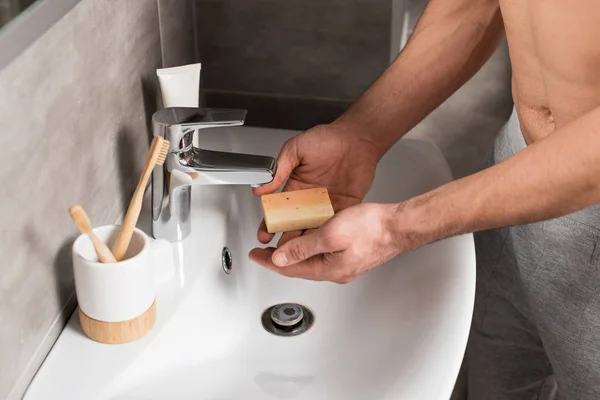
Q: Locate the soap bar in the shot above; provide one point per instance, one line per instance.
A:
(296, 210)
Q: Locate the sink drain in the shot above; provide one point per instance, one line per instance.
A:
(287, 319)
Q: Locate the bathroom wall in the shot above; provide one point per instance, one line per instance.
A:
(178, 40)
(74, 119)
(293, 63)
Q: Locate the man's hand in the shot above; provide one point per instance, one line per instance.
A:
(331, 156)
(351, 243)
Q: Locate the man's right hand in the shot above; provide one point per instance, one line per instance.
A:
(333, 156)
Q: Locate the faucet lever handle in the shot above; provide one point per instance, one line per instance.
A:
(177, 124)
(191, 118)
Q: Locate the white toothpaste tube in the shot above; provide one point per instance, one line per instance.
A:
(180, 86)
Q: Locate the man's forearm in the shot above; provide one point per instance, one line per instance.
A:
(550, 178)
(452, 40)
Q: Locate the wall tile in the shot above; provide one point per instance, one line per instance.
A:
(275, 111)
(177, 32)
(312, 48)
(74, 113)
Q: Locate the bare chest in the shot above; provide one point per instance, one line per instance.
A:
(555, 53)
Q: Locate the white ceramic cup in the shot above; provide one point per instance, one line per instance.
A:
(120, 291)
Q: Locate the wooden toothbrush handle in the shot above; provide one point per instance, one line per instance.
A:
(158, 151)
(135, 206)
(130, 220)
(84, 224)
(102, 250)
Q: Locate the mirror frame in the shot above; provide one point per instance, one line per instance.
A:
(28, 26)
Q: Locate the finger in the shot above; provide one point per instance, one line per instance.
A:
(262, 235)
(314, 268)
(307, 269)
(262, 256)
(299, 249)
(287, 236)
(265, 237)
(286, 162)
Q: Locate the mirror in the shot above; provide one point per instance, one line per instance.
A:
(10, 9)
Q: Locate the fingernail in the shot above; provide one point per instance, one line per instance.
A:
(280, 259)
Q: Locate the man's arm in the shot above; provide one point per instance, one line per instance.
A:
(550, 178)
(452, 41)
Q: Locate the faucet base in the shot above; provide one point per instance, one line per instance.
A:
(173, 222)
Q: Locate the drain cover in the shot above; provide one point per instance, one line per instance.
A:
(287, 319)
(287, 314)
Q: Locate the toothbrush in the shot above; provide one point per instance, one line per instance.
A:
(156, 156)
(85, 226)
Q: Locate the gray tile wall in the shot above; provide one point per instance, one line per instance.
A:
(293, 50)
(74, 111)
(177, 32)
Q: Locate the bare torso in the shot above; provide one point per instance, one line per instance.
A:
(555, 54)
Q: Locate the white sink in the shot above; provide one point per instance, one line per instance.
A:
(397, 332)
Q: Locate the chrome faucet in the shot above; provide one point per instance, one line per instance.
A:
(187, 165)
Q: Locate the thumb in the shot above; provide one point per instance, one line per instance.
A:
(299, 249)
(286, 162)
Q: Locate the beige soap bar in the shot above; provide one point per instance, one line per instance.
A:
(296, 210)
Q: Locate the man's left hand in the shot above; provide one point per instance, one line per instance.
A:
(351, 243)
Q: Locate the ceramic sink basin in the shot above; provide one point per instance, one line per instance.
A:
(397, 332)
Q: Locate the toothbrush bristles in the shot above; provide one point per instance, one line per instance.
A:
(164, 150)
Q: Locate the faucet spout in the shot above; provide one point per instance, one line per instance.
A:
(223, 168)
(187, 165)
